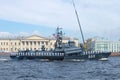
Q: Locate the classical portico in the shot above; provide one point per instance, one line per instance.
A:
(33, 42)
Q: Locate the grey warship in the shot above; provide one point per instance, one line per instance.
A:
(62, 51)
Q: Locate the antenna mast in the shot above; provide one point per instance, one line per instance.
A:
(78, 22)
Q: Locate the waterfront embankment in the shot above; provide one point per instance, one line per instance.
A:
(115, 54)
(4, 53)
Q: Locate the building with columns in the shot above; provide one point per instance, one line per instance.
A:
(33, 42)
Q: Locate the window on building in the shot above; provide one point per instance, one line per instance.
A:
(15, 43)
(23, 43)
(26, 43)
(6, 43)
(19, 43)
(42, 42)
(46, 43)
(30, 43)
(34, 43)
(38, 43)
(11, 49)
(51, 43)
(15, 49)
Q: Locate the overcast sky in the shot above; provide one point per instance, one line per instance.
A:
(24, 17)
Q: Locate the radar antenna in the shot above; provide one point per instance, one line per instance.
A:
(58, 43)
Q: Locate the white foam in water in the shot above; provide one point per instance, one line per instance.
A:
(3, 59)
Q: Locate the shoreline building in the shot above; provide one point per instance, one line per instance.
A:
(34, 42)
(96, 44)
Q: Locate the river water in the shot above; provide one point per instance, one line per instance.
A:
(59, 70)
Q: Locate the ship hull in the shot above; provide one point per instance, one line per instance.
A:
(88, 56)
(74, 56)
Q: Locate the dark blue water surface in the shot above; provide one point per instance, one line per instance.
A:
(58, 70)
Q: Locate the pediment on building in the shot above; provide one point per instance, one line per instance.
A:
(35, 37)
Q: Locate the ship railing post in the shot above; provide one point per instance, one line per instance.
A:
(28, 54)
(36, 53)
(96, 52)
(41, 53)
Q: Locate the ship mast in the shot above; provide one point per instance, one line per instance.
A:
(78, 22)
(58, 43)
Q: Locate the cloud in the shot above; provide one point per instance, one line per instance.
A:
(20, 34)
(5, 34)
(36, 33)
(96, 16)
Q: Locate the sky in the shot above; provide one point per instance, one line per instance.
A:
(98, 18)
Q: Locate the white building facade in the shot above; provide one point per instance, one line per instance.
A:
(103, 45)
(33, 42)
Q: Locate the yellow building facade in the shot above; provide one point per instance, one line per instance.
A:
(33, 42)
